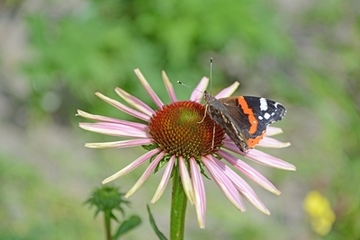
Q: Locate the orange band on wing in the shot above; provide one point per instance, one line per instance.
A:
(253, 141)
(250, 113)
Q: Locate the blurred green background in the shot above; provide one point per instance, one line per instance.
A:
(55, 54)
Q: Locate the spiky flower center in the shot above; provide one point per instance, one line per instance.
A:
(180, 129)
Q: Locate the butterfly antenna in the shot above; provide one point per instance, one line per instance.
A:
(211, 72)
(185, 85)
(181, 83)
(210, 90)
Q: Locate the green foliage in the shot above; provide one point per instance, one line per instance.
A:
(97, 48)
(108, 199)
(158, 233)
(332, 80)
(33, 208)
(127, 225)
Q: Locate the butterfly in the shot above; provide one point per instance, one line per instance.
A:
(244, 118)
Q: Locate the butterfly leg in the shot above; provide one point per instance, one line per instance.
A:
(206, 106)
(213, 138)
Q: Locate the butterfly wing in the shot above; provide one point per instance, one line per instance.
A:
(251, 115)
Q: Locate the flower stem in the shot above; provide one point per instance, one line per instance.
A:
(178, 208)
(107, 220)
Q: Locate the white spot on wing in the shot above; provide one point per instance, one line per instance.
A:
(263, 104)
(267, 116)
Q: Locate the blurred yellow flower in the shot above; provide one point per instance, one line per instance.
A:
(319, 210)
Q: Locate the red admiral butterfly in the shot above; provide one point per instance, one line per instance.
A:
(244, 118)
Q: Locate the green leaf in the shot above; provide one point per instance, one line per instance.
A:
(202, 170)
(150, 147)
(162, 162)
(153, 225)
(127, 225)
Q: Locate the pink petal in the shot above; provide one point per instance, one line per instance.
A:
(271, 131)
(132, 165)
(164, 180)
(120, 144)
(226, 92)
(146, 174)
(244, 188)
(199, 192)
(169, 87)
(261, 157)
(99, 118)
(249, 172)
(135, 102)
(114, 129)
(198, 92)
(123, 108)
(186, 181)
(224, 183)
(268, 160)
(147, 87)
(272, 143)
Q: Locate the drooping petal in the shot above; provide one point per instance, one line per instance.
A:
(224, 183)
(147, 87)
(120, 144)
(244, 188)
(164, 180)
(123, 108)
(186, 181)
(261, 157)
(226, 92)
(169, 87)
(272, 143)
(149, 170)
(100, 118)
(271, 131)
(199, 192)
(249, 171)
(135, 102)
(267, 159)
(114, 129)
(132, 165)
(267, 142)
(198, 93)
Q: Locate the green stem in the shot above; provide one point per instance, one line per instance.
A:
(178, 208)
(107, 220)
